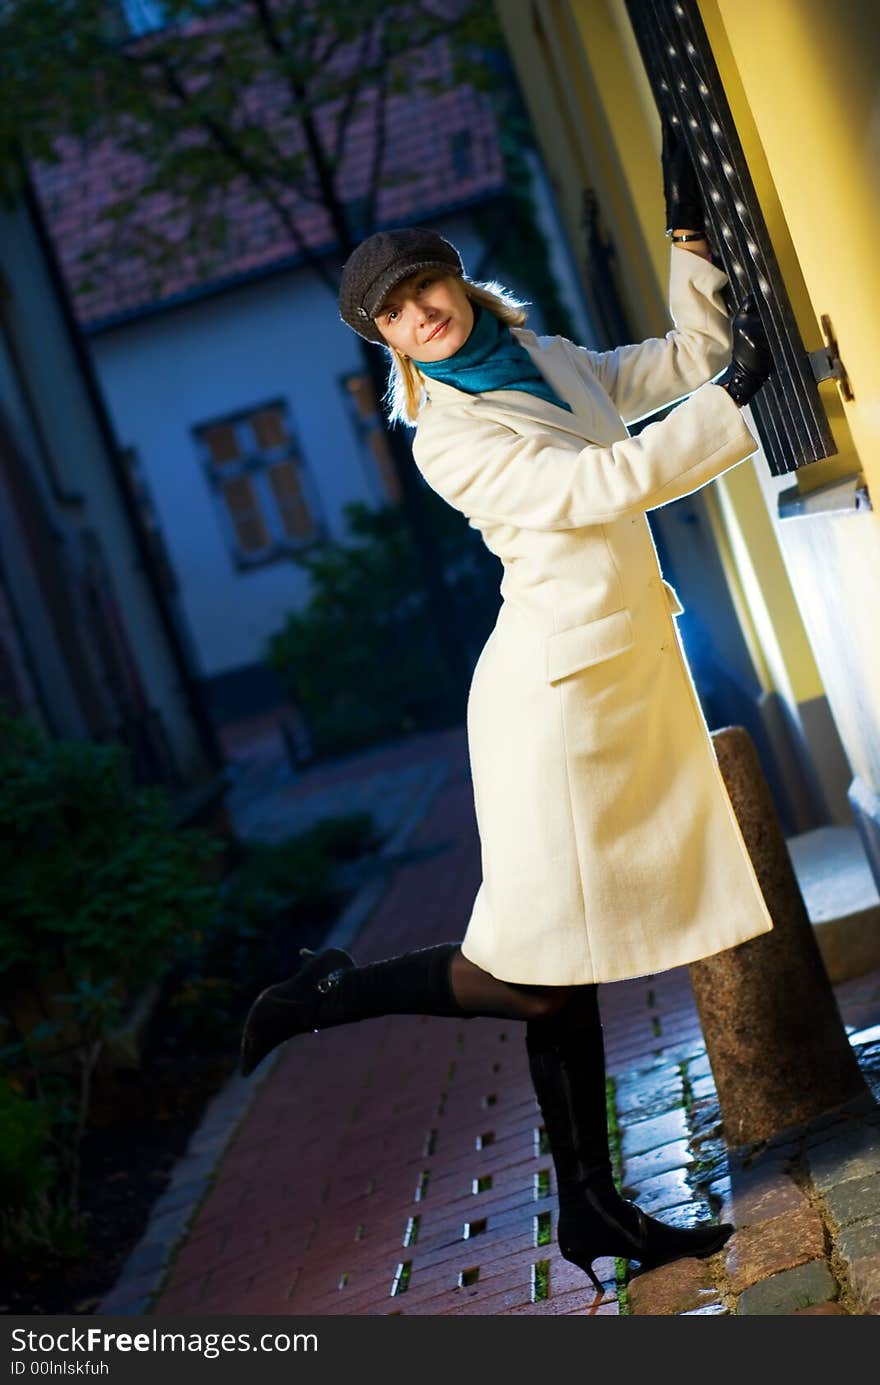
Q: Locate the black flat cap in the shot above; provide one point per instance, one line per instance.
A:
(383, 260)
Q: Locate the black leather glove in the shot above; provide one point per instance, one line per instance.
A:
(684, 202)
(752, 359)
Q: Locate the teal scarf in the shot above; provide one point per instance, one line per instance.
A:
(491, 359)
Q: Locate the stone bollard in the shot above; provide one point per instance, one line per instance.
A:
(774, 1036)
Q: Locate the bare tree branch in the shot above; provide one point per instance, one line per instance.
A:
(279, 160)
(333, 40)
(255, 175)
(319, 155)
(355, 90)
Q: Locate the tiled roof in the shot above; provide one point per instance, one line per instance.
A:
(426, 169)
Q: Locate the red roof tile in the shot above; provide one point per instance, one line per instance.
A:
(420, 181)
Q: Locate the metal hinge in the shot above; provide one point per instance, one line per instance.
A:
(846, 496)
(826, 363)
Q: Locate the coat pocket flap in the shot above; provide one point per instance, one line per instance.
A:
(582, 645)
(675, 605)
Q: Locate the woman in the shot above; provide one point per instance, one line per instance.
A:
(609, 846)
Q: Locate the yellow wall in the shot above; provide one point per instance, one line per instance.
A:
(737, 509)
(802, 81)
(803, 73)
(573, 89)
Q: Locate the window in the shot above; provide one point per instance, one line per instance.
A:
(265, 495)
(382, 476)
(148, 16)
(143, 16)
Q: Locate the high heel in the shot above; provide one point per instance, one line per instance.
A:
(567, 1066)
(587, 1267)
(607, 1224)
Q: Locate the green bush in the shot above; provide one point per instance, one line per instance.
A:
(35, 1221)
(99, 893)
(48, 1229)
(272, 876)
(298, 871)
(95, 881)
(362, 660)
(343, 837)
(25, 1165)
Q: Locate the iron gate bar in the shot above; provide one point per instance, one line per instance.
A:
(688, 94)
(788, 411)
(797, 395)
(688, 102)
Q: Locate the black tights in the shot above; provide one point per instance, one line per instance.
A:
(480, 993)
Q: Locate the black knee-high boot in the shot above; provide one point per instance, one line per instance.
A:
(330, 990)
(567, 1065)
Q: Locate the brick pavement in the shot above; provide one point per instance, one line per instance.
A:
(396, 1166)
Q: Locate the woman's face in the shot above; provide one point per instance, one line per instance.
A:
(427, 317)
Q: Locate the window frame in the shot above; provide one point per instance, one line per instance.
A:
(363, 428)
(255, 465)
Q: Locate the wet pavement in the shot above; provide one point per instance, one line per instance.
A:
(397, 1166)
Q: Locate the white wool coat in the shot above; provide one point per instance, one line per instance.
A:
(609, 845)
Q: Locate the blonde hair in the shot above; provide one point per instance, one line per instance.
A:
(405, 393)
